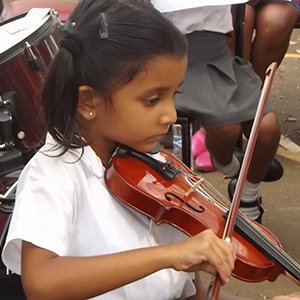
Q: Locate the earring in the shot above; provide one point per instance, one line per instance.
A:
(90, 113)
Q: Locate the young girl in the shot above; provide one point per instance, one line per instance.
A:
(69, 238)
(109, 84)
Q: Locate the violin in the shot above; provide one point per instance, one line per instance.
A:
(169, 192)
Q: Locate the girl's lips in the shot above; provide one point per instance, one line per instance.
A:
(158, 137)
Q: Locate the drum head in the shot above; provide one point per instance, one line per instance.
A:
(21, 30)
(17, 7)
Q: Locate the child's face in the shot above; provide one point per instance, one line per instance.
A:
(142, 110)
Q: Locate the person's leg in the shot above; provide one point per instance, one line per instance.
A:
(263, 156)
(265, 147)
(274, 24)
(221, 142)
(249, 25)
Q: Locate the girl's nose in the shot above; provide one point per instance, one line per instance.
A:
(170, 115)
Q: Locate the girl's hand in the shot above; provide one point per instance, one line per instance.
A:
(206, 252)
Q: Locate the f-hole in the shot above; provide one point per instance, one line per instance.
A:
(169, 197)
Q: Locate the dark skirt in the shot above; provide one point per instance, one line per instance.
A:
(218, 89)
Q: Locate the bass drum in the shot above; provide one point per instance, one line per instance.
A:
(13, 8)
(31, 41)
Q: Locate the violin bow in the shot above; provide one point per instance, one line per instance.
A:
(232, 215)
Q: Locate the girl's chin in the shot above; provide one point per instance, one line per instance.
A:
(155, 148)
(149, 148)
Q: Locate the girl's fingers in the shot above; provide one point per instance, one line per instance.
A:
(219, 254)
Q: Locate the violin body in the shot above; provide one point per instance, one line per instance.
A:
(184, 202)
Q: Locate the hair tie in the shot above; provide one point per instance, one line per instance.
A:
(72, 43)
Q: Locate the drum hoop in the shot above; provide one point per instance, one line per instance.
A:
(32, 39)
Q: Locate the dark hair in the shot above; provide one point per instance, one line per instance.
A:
(104, 44)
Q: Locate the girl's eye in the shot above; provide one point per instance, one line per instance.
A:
(152, 101)
(177, 92)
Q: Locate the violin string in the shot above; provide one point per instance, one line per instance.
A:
(203, 186)
(266, 238)
(275, 247)
(210, 190)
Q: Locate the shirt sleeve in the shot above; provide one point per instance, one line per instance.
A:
(44, 210)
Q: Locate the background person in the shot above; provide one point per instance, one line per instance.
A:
(268, 26)
(222, 93)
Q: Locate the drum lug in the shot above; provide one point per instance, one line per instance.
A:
(34, 62)
(8, 114)
(10, 158)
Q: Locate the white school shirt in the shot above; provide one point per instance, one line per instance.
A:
(63, 205)
(210, 18)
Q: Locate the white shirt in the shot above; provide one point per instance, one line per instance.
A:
(63, 205)
(210, 18)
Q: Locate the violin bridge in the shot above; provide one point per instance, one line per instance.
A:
(194, 187)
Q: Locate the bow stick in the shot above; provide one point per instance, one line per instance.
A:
(230, 223)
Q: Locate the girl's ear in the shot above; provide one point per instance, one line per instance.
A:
(87, 102)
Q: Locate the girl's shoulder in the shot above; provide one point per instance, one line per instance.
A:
(52, 164)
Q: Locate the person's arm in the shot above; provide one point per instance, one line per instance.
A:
(293, 296)
(48, 276)
(253, 2)
(202, 293)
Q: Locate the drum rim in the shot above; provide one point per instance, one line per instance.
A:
(14, 18)
(44, 30)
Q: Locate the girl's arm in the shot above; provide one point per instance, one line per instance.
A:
(48, 276)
